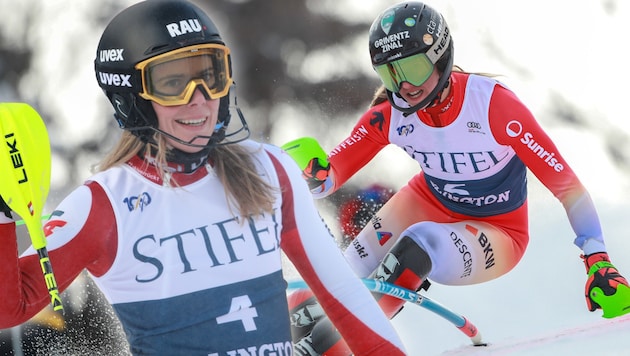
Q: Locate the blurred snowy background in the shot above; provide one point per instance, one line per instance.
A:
(302, 68)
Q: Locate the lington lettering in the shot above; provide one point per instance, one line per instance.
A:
(16, 157)
(455, 162)
(275, 349)
(226, 242)
(476, 201)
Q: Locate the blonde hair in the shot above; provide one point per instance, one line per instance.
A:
(380, 96)
(233, 165)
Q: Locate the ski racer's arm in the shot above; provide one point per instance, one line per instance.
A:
(308, 243)
(512, 124)
(368, 137)
(78, 236)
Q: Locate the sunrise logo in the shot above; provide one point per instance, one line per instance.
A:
(515, 128)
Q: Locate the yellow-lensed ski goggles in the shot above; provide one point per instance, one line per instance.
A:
(414, 69)
(171, 78)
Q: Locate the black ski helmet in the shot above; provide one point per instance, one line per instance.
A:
(407, 29)
(142, 31)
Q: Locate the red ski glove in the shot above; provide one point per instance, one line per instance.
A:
(606, 288)
(311, 159)
(314, 173)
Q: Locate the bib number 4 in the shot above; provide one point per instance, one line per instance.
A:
(240, 310)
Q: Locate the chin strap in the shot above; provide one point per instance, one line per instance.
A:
(434, 97)
(177, 160)
(220, 137)
(431, 100)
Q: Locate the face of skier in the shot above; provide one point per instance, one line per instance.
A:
(185, 87)
(414, 94)
(193, 122)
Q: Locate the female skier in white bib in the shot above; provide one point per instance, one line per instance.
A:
(183, 224)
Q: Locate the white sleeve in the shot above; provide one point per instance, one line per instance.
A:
(309, 244)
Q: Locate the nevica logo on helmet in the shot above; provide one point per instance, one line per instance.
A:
(183, 27)
(387, 21)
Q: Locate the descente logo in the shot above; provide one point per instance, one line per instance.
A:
(514, 129)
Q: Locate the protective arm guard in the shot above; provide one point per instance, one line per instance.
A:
(606, 288)
(311, 158)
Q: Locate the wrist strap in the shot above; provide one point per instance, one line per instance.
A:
(598, 265)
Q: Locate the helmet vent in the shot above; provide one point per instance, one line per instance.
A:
(411, 45)
(155, 49)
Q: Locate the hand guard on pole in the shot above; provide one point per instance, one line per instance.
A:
(314, 173)
(311, 158)
(606, 288)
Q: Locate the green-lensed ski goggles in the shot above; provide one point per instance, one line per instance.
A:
(414, 69)
(171, 78)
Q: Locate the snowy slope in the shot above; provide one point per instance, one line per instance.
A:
(536, 309)
(605, 337)
(546, 50)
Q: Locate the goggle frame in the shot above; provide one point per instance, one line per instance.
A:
(187, 92)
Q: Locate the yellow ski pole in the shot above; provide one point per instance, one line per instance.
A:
(25, 165)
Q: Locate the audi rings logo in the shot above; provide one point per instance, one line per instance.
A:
(475, 127)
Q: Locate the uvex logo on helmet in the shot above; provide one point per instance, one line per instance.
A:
(111, 55)
(115, 79)
(183, 27)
